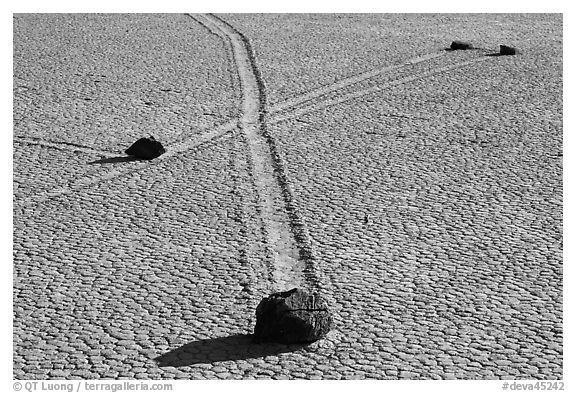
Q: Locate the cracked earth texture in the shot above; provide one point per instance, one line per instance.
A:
(426, 184)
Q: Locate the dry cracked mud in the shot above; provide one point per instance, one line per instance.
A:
(418, 190)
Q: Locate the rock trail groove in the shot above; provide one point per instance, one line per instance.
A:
(96, 178)
(289, 267)
(64, 146)
(291, 108)
(345, 82)
(321, 104)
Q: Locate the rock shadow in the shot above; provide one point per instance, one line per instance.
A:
(235, 347)
(114, 160)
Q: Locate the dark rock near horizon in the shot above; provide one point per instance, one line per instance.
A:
(146, 148)
(507, 50)
(460, 45)
(291, 317)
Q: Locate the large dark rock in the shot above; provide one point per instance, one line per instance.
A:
(461, 45)
(290, 317)
(146, 148)
(507, 50)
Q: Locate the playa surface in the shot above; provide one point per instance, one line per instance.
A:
(418, 190)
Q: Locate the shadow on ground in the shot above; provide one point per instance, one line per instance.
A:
(236, 347)
(114, 160)
(471, 49)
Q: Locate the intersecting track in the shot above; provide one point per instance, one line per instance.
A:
(308, 102)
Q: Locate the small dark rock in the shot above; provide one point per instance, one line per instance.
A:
(507, 50)
(291, 317)
(146, 148)
(460, 45)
